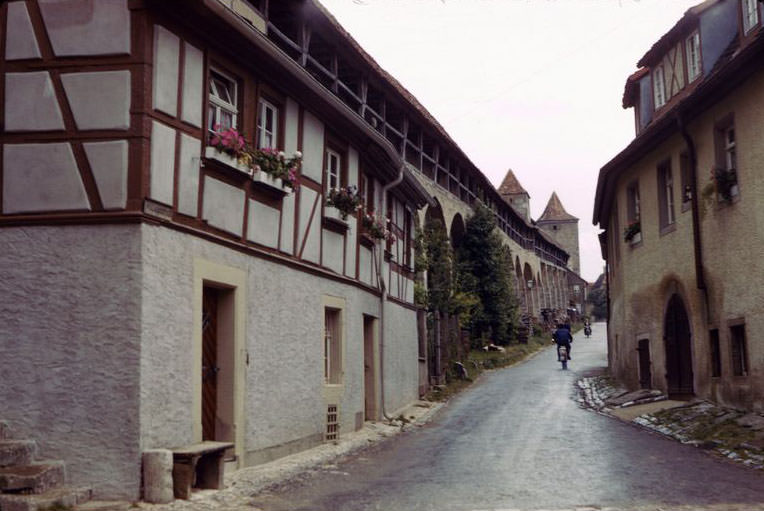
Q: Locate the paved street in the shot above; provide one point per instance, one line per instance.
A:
(518, 440)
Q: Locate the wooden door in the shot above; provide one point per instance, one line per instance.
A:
(645, 373)
(369, 369)
(679, 377)
(209, 361)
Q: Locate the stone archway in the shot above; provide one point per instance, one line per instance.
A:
(457, 231)
(678, 344)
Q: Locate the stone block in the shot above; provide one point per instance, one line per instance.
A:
(157, 476)
(16, 452)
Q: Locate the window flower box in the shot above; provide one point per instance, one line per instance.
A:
(633, 233)
(335, 214)
(726, 183)
(343, 201)
(269, 181)
(226, 159)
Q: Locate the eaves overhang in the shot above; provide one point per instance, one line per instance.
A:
(307, 88)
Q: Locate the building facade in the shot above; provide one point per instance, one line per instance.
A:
(681, 212)
(158, 292)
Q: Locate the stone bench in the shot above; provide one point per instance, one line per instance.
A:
(198, 466)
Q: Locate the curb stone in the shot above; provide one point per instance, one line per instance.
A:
(734, 434)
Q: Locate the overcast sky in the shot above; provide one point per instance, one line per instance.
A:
(531, 85)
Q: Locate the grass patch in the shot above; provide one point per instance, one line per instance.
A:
(480, 361)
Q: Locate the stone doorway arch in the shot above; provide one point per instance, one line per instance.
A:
(678, 342)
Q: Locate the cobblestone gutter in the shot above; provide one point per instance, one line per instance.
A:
(734, 434)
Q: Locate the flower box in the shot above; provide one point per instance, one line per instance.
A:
(334, 214)
(266, 180)
(226, 159)
(637, 238)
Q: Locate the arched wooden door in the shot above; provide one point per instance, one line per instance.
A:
(677, 338)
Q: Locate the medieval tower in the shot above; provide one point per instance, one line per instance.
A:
(515, 195)
(563, 228)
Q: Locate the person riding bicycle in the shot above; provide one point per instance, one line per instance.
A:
(562, 337)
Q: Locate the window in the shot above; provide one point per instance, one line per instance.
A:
(267, 124)
(367, 191)
(632, 203)
(692, 50)
(659, 87)
(333, 170)
(716, 355)
(665, 195)
(222, 107)
(725, 142)
(332, 345)
(684, 175)
(750, 15)
(739, 352)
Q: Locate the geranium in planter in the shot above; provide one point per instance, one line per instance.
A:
(345, 199)
(631, 231)
(228, 141)
(725, 181)
(376, 227)
(276, 164)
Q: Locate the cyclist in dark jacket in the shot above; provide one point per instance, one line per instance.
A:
(563, 337)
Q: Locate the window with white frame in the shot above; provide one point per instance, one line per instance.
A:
(750, 15)
(332, 345)
(666, 194)
(692, 49)
(333, 170)
(267, 124)
(730, 150)
(222, 109)
(659, 87)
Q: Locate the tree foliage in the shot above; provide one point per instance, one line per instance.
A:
(483, 269)
(597, 298)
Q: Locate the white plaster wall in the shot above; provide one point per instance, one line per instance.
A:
(312, 147)
(99, 100)
(334, 247)
(365, 263)
(87, 27)
(30, 103)
(350, 252)
(162, 162)
(223, 206)
(312, 249)
(20, 41)
(41, 177)
(108, 161)
(287, 222)
(401, 360)
(193, 85)
(166, 70)
(188, 175)
(69, 306)
(263, 224)
(284, 344)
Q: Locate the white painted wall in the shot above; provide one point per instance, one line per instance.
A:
(166, 70)
(20, 41)
(193, 85)
(30, 103)
(313, 243)
(100, 100)
(70, 310)
(263, 224)
(87, 27)
(223, 206)
(162, 162)
(108, 161)
(312, 147)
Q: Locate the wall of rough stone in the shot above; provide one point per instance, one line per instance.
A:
(70, 343)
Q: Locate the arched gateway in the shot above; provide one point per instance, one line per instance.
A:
(677, 338)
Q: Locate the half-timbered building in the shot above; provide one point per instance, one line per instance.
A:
(158, 291)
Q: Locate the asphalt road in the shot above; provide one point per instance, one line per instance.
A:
(518, 439)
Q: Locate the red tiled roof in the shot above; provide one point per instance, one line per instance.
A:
(555, 211)
(510, 185)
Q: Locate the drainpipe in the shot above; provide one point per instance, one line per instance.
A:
(697, 243)
(383, 288)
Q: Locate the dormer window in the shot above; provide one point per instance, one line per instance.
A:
(692, 47)
(659, 87)
(750, 15)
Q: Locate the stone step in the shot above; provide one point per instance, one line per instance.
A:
(17, 452)
(37, 477)
(58, 498)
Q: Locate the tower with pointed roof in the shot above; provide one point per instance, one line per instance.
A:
(514, 193)
(563, 228)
